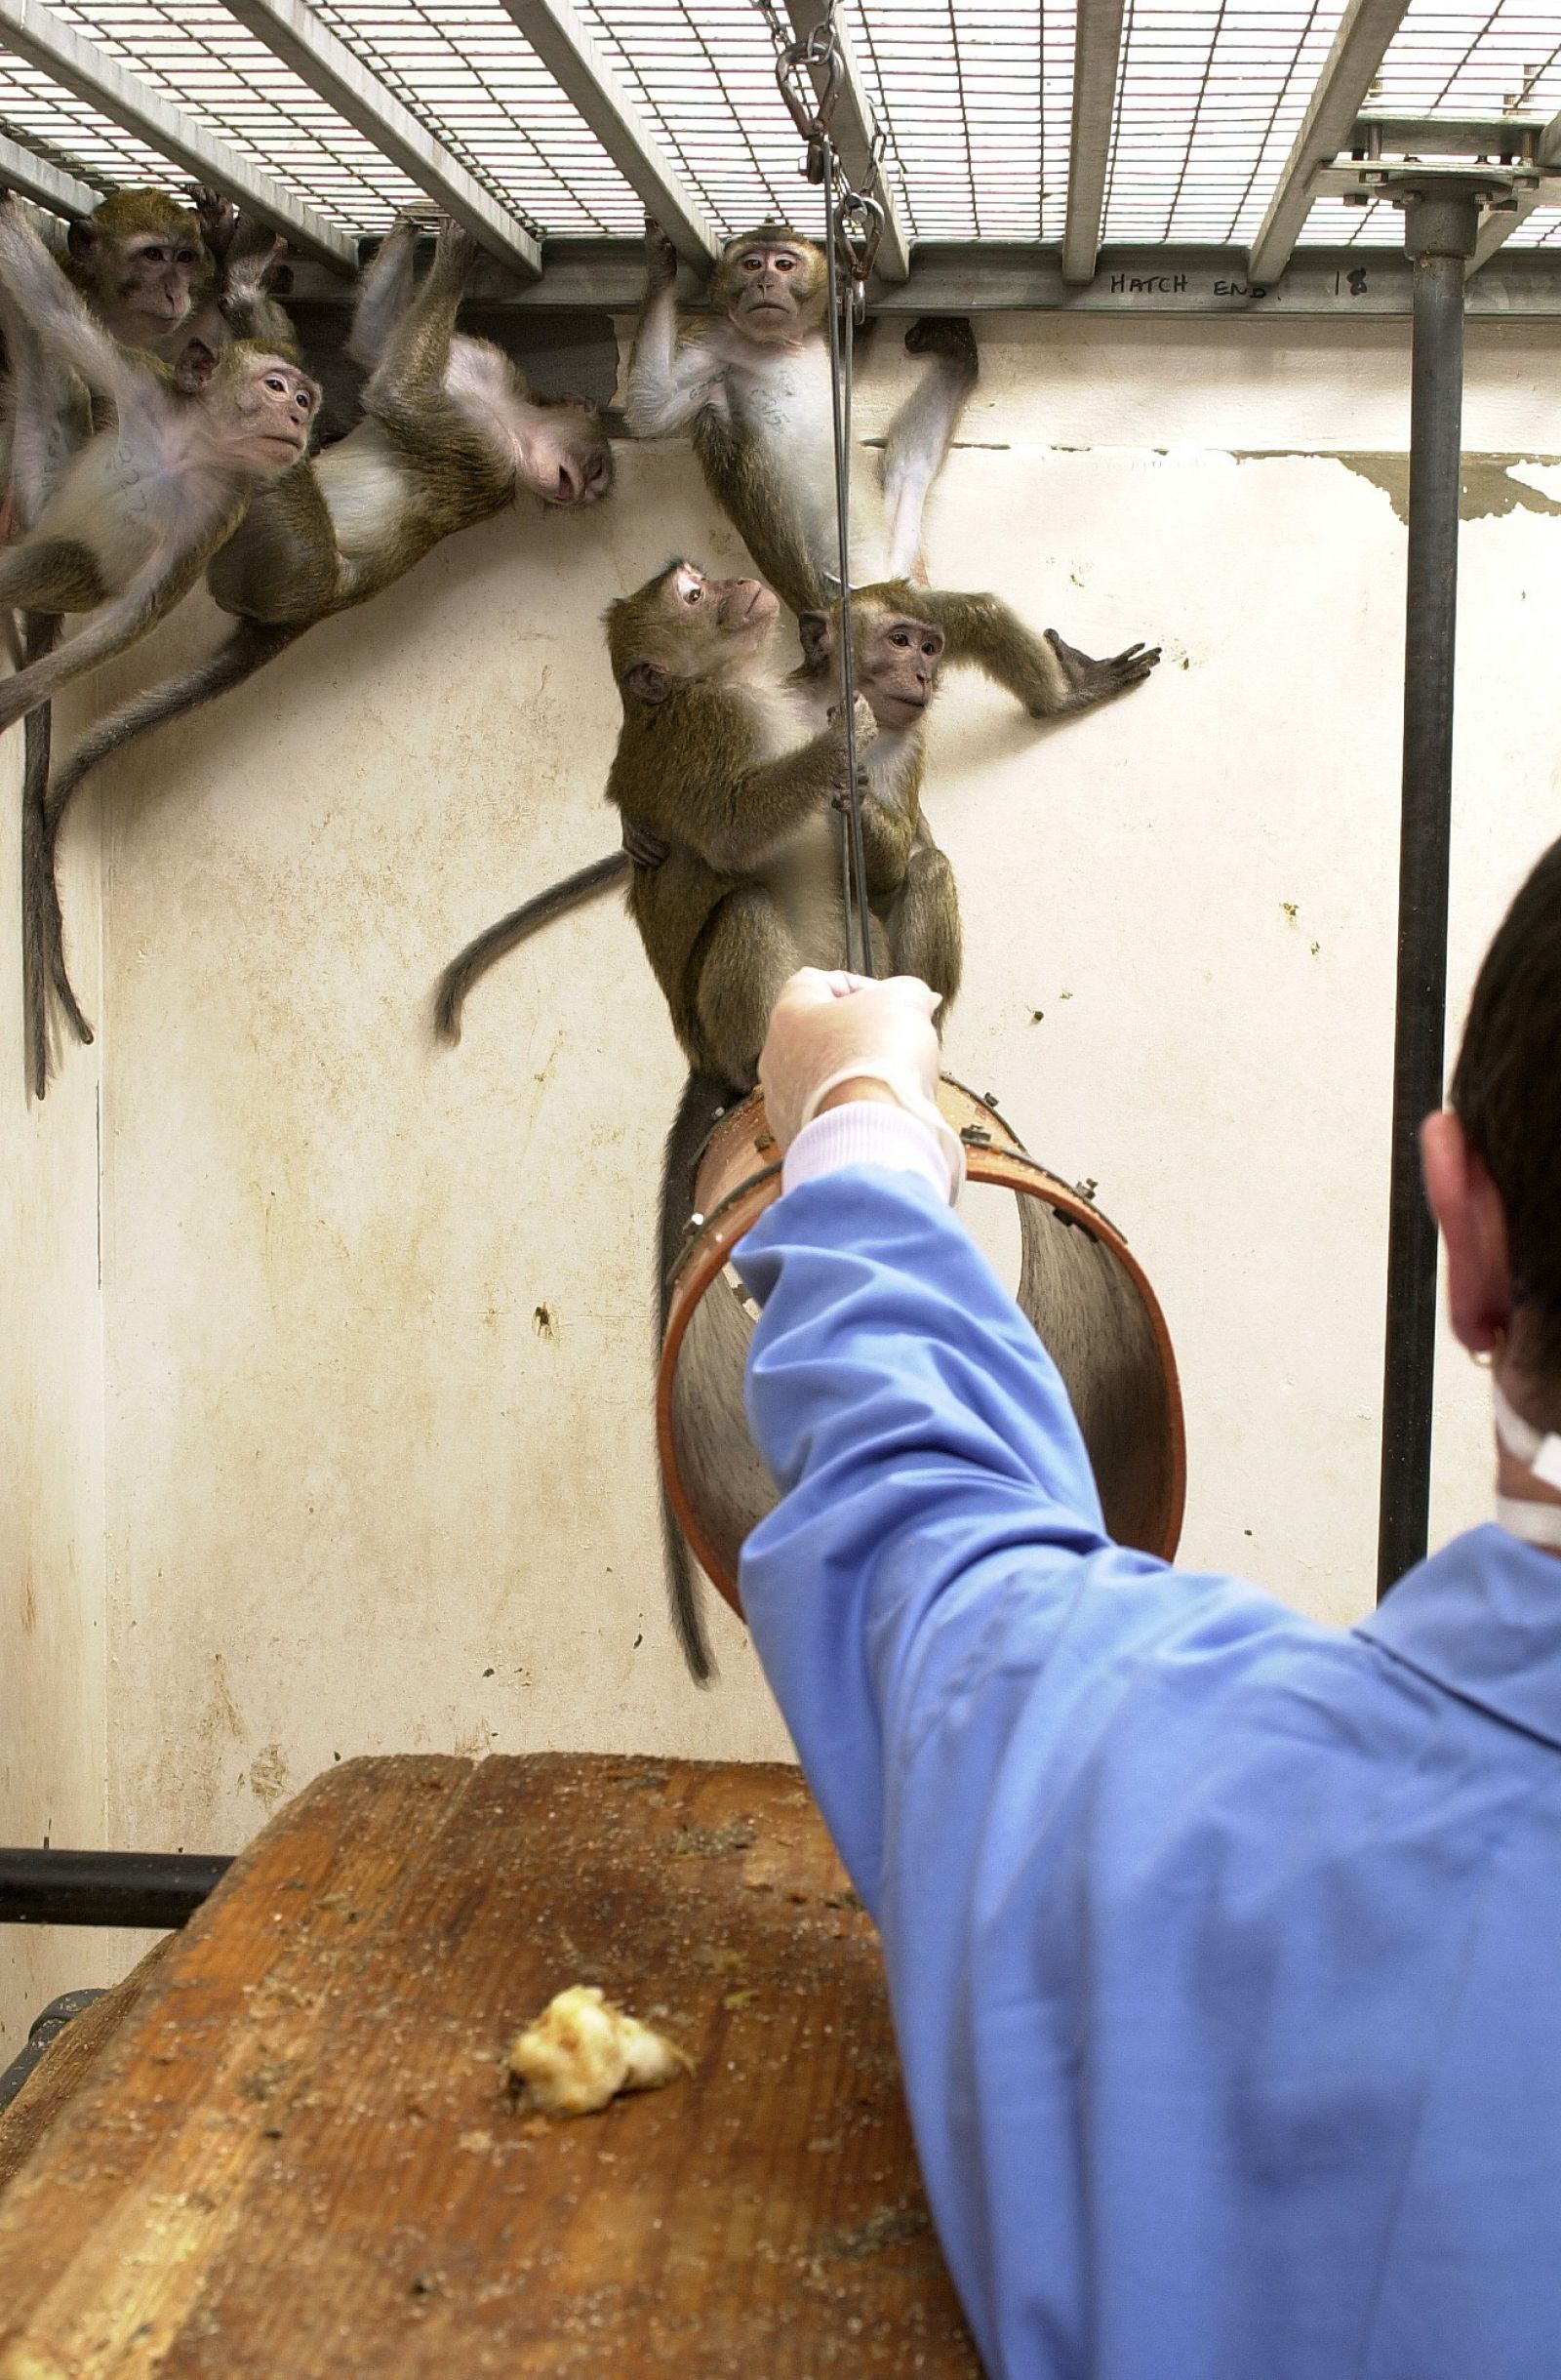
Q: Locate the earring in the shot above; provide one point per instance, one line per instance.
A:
(1487, 1357)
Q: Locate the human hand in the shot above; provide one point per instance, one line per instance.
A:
(842, 1032)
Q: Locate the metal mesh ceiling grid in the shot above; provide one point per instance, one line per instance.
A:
(194, 54)
(977, 99)
(1448, 60)
(975, 94)
(1209, 100)
(42, 117)
(704, 73)
(469, 75)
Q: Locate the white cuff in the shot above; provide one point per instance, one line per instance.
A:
(867, 1132)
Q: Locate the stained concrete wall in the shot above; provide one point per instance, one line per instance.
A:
(377, 1466)
(53, 1637)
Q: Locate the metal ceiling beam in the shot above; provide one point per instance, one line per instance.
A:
(566, 49)
(57, 50)
(1097, 58)
(1348, 72)
(1499, 225)
(43, 183)
(853, 135)
(292, 32)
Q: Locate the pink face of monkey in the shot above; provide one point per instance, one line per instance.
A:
(565, 459)
(773, 286)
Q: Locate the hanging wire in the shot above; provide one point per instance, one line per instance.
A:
(853, 227)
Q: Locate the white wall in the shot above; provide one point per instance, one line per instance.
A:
(357, 1498)
(53, 1723)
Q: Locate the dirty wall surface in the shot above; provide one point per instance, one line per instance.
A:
(374, 1372)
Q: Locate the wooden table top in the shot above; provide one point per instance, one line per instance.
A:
(298, 2155)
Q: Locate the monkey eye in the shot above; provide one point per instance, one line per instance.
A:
(155, 256)
(691, 594)
(897, 636)
(786, 263)
(187, 255)
(752, 263)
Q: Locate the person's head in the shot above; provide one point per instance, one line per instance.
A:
(1493, 1156)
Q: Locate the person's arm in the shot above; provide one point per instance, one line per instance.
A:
(937, 1508)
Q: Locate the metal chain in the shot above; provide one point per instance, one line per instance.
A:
(853, 227)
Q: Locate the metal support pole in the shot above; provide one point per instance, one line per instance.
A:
(159, 1891)
(1442, 212)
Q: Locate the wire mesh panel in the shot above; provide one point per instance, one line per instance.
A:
(973, 98)
(977, 95)
(66, 132)
(197, 57)
(469, 75)
(1448, 60)
(704, 73)
(1209, 100)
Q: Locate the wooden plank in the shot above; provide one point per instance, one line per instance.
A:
(69, 2062)
(301, 2157)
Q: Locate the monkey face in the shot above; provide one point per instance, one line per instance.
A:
(738, 608)
(273, 405)
(683, 627)
(896, 667)
(155, 276)
(570, 461)
(773, 288)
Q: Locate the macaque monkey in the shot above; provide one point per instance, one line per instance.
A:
(753, 381)
(910, 883)
(450, 435)
(715, 759)
(150, 497)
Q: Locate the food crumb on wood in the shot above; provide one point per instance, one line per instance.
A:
(581, 2051)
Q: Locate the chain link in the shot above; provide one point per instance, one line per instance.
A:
(854, 223)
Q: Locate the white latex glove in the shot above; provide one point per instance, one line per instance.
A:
(826, 1030)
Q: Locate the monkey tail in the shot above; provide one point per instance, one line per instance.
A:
(39, 632)
(705, 1099)
(496, 941)
(249, 647)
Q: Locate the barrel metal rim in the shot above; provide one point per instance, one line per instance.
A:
(1004, 1167)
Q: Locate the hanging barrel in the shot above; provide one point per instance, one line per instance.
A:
(1078, 1283)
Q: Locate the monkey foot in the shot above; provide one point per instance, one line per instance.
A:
(1095, 681)
(947, 335)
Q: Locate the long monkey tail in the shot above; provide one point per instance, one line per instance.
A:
(249, 647)
(496, 941)
(705, 1099)
(40, 632)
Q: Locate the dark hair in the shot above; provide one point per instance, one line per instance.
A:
(1506, 1093)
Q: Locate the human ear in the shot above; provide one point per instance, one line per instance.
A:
(1469, 1215)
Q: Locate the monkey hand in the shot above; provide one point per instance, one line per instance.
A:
(219, 218)
(645, 849)
(828, 1030)
(866, 725)
(661, 258)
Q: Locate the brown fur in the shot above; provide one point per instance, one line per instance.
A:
(751, 383)
(450, 427)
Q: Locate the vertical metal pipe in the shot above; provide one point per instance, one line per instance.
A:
(1439, 232)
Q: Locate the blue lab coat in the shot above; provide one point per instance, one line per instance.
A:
(1224, 1949)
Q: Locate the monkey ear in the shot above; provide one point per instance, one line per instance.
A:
(647, 681)
(817, 634)
(195, 367)
(81, 239)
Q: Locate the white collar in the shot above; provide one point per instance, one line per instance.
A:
(1537, 1522)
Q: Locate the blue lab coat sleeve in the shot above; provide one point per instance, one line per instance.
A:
(1221, 1945)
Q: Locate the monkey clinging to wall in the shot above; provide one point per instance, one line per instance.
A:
(753, 379)
(739, 772)
(450, 435)
(896, 657)
(149, 497)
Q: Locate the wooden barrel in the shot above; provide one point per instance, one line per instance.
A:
(1078, 1283)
